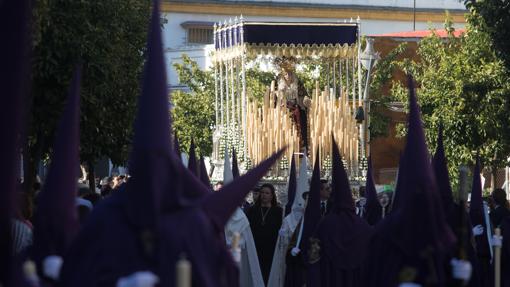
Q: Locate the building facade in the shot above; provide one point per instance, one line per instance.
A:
(189, 24)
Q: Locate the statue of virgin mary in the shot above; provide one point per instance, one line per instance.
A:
(292, 92)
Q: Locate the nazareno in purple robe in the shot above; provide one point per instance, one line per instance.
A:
(373, 209)
(304, 268)
(452, 210)
(344, 236)
(413, 243)
(291, 187)
(15, 23)
(135, 229)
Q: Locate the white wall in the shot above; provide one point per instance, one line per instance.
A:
(174, 36)
(436, 4)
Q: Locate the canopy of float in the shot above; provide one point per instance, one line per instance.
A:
(290, 39)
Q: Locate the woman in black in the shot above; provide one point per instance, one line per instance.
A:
(265, 220)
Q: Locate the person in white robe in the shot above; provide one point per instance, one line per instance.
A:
(289, 225)
(249, 268)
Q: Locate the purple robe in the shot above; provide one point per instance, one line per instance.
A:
(414, 242)
(343, 235)
(373, 209)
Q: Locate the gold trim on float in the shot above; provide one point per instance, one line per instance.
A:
(309, 12)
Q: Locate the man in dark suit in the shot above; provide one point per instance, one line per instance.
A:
(325, 194)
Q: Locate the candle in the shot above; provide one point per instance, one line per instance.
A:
(183, 270)
(497, 259)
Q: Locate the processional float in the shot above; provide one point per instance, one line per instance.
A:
(257, 129)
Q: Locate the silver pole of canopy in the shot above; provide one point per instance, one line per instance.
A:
(227, 90)
(243, 82)
(232, 89)
(216, 111)
(220, 64)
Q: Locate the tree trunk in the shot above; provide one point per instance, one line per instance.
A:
(91, 177)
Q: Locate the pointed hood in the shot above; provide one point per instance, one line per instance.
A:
(56, 218)
(192, 161)
(235, 166)
(14, 83)
(373, 209)
(222, 204)
(291, 186)
(312, 211)
(204, 177)
(421, 221)
(341, 193)
(342, 233)
(152, 164)
(440, 165)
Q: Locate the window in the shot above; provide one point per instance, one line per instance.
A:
(200, 36)
(199, 32)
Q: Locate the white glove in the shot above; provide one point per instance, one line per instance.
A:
(409, 284)
(295, 251)
(236, 254)
(51, 266)
(282, 232)
(497, 240)
(461, 269)
(30, 272)
(139, 279)
(478, 230)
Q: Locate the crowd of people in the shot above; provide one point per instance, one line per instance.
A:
(163, 225)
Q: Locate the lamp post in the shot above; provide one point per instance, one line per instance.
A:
(369, 58)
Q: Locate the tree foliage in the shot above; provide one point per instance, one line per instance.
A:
(379, 100)
(462, 84)
(108, 38)
(194, 111)
(493, 16)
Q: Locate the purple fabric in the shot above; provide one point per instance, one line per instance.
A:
(56, 219)
(313, 209)
(14, 84)
(456, 216)
(291, 188)
(219, 206)
(416, 236)
(151, 156)
(235, 166)
(373, 210)
(192, 161)
(212, 264)
(476, 212)
(299, 269)
(121, 234)
(344, 236)
(397, 197)
(440, 165)
(112, 244)
(204, 177)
